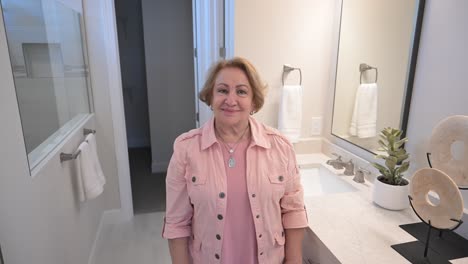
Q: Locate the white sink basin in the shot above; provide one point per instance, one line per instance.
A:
(321, 181)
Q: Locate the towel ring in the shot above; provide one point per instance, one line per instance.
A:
(287, 69)
(364, 67)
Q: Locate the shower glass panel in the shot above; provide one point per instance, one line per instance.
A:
(50, 70)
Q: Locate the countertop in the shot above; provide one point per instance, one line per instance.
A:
(352, 227)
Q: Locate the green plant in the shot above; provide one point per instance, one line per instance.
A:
(395, 165)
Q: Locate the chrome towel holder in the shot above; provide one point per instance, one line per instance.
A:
(365, 67)
(287, 69)
(72, 156)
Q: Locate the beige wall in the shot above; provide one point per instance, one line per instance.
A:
(377, 33)
(41, 221)
(273, 33)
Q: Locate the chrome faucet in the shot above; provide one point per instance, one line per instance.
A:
(360, 172)
(339, 164)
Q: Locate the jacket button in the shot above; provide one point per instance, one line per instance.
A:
(218, 237)
(260, 235)
(220, 217)
(253, 195)
(258, 216)
(261, 253)
(281, 178)
(222, 195)
(216, 256)
(194, 179)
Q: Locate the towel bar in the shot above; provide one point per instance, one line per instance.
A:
(72, 156)
(287, 68)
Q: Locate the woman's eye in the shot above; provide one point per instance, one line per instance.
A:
(241, 92)
(222, 90)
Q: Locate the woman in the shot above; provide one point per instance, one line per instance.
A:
(233, 187)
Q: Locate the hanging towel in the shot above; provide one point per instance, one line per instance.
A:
(90, 179)
(290, 112)
(91, 139)
(364, 119)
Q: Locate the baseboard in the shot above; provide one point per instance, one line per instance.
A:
(108, 217)
(159, 166)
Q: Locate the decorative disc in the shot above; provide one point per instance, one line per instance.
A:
(447, 132)
(450, 204)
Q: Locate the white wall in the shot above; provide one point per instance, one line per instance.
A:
(132, 63)
(440, 82)
(377, 33)
(440, 88)
(42, 222)
(273, 33)
(168, 37)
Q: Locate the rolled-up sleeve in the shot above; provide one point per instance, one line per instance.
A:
(293, 211)
(179, 211)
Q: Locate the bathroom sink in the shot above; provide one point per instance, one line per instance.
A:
(321, 181)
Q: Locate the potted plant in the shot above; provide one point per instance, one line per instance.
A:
(391, 188)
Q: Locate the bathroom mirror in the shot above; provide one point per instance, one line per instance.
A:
(377, 51)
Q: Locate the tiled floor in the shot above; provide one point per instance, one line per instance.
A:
(136, 242)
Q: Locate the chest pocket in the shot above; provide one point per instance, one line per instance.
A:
(196, 185)
(277, 176)
(277, 179)
(196, 179)
(195, 176)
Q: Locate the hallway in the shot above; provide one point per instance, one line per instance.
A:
(148, 189)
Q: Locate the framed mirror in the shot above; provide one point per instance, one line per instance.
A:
(377, 52)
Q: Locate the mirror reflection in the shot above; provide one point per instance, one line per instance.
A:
(372, 73)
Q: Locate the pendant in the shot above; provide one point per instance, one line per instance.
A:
(231, 162)
(231, 151)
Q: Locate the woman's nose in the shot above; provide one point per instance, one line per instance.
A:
(231, 99)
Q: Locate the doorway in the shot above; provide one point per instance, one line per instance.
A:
(176, 57)
(156, 57)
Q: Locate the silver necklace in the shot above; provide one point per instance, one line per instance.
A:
(230, 150)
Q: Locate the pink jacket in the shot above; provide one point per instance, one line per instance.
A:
(196, 192)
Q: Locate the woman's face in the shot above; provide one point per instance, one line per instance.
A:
(232, 97)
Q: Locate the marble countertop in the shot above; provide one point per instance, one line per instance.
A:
(355, 229)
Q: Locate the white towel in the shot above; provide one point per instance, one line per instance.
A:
(290, 112)
(364, 119)
(90, 178)
(91, 139)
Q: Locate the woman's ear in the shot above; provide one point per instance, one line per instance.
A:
(253, 109)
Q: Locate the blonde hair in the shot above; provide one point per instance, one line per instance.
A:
(258, 88)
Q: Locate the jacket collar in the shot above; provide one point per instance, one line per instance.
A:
(259, 134)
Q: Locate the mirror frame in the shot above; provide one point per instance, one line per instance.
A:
(416, 36)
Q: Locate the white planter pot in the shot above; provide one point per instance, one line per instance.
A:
(390, 196)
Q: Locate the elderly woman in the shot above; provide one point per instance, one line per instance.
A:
(233, 187)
